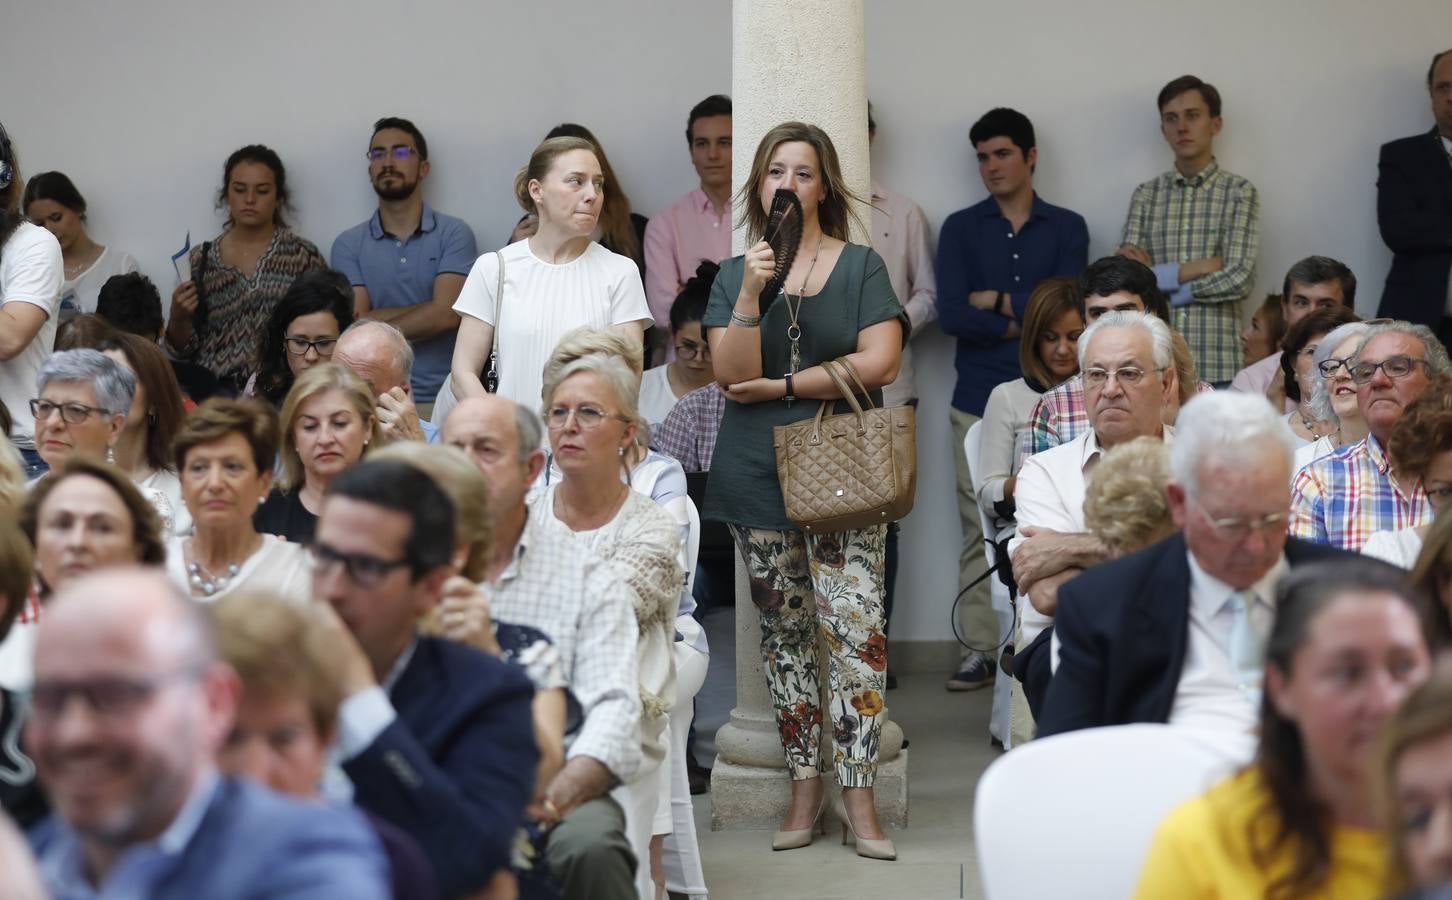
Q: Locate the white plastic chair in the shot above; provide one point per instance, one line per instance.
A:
(998, 719)
(1073, 815)
(693, 543)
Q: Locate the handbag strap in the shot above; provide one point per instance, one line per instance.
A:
(851, 369)
(832, 368)
(498, 302)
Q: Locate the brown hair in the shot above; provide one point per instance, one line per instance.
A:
(88, 331)
(145, 523)
(1424, 431)
(1425, 715)
(1125, 505)
(834, 213)
(1434, 566)
(17, 562)
(1274, 318)
(456, 475)
(539, 165)
(1051, 299)
(221, 416)
(617, 228)
(319, 379)
(1189, 379)
(1319, 322)
(281, 649)
(155, 376)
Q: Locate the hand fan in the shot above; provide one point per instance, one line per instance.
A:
(784, 234)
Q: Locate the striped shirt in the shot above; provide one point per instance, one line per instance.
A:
(1344, 498)
(1059, 417)
(1213, 213)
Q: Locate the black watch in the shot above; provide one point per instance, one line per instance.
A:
(790, 396)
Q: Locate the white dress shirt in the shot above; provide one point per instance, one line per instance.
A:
(1210, 695)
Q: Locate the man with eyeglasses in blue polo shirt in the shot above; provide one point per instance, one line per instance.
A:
(408, 262)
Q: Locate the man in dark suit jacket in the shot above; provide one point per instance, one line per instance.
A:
(1414, 212)
(436, 736)
(129, 708)
(1141, 632)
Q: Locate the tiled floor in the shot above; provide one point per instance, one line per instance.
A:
(949, 749)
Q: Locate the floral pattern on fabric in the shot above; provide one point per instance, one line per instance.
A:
(831, 587)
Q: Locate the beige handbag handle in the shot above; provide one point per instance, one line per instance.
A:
(831, 368)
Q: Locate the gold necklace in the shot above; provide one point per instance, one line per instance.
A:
(794, 329)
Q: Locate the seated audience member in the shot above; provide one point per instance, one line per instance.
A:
(1198, 226)
(84, 398)
(408, 262)
(1299, 373)
(1333, 394)
(327, 425)
(291, 671)
(1420, 453)
(225, 452)
(156, 820)
(131, 304)
(1170, 634)
(239, 277)
(1301, 820)
(1260, 338)
(1111, 284)
(1125, 505)
(157, 409)
(434, 735)
(379, 354)
(1413, 190)
(689, 367)
(1432, 576)
(31, 271)
(688, 434)
(301, 333)
(696, 228)
(1416, 786)
(1048, 354)
(591, 409)
(1314, 283)
(542, 578)
(52, 202)
(1345, 497)
(83, 332)
(22, 878)
(20, 797)
(526, 227)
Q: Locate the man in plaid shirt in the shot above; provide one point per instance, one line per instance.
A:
(1343, 498)
(1198, 227)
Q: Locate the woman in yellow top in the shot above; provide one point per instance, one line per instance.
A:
(1300, 821)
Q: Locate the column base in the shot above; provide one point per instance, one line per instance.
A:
(751, 798)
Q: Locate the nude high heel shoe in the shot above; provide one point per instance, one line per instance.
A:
(801, 837)
(867, 848)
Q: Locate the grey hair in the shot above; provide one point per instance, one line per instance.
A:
(1432, 350)
(114, 384)
(530, 430)
(612, 370)
(1159, 332)
(1320, 402)
(1224, 425)
(404, 358)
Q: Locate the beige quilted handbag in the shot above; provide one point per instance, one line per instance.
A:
(848, 471)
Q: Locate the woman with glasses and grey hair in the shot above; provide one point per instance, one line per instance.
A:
(83, 397)
(1333, 393)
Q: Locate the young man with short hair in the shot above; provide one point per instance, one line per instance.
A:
(1316, 282)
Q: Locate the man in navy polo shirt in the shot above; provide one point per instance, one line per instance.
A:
(407, 263)
(990, 258)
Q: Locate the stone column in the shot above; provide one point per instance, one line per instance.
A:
(801, 60)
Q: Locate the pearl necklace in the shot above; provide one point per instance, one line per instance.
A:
(210, 584)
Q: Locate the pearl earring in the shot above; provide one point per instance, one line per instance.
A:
(111, 456)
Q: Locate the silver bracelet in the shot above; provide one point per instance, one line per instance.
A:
(745, 321)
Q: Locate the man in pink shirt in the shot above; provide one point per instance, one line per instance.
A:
(697, 226)
(1316, 282)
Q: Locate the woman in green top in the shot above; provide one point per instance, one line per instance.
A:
(836, 301)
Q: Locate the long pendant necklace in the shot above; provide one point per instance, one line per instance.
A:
(794, 329)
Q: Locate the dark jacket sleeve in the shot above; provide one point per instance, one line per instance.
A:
(1408, 222)
(1075, 697)
(957, 278)
(464, 801)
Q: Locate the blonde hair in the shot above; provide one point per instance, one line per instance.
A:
(320, 379)
(1425, 715)
(1184, 367)
(540, 162)
(1124, 502)
(456, 475)
(834, 213)
(615, 358)
(12, 478)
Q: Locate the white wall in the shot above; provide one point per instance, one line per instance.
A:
(141, 102)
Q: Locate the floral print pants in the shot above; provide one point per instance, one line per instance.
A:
(832, 586)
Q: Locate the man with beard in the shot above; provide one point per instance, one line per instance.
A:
(407, 263)
(131, 704)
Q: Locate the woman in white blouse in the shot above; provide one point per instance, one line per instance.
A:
(554, 281)
(1420, 452)
(53, 203)
(1048, 355)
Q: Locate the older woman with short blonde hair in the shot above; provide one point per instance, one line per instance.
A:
(1124, 501)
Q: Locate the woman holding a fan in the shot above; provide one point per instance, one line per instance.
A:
(801, 296)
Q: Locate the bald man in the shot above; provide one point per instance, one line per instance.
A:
(379, 354)
(542, 580)
(130, 706)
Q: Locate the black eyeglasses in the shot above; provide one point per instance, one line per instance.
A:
(399, 152)
(1394, 367)
(112, 699)
(693, 351)
(1329, 367)
(299, 346)
(73, 413)
(364, 569)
